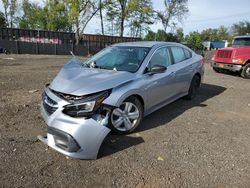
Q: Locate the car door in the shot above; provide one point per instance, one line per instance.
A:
(182, 69)
(159, 87)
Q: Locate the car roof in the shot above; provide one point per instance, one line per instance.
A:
(148, 44)
(242, 36)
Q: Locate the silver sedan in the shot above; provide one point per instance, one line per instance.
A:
(113, 91)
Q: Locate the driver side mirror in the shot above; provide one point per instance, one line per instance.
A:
(156, 69)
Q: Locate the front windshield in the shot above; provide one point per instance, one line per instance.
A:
(239, 42)
(119, 58)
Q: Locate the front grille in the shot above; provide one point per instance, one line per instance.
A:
(67, 97)
(49, 104)
(224, 53)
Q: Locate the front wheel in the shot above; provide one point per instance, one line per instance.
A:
(127, 116)
(245, 73)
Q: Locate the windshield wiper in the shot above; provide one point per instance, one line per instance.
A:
(85, 64)
(107, 68)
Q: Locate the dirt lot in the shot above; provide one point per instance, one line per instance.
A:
(199, 143)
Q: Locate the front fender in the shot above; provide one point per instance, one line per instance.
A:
(119, 94)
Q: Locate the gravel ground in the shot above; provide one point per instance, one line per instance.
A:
(198, 143)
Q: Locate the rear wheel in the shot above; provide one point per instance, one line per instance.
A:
(245, 73)
(195, 84)
(127, 116)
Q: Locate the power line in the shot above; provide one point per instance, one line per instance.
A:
(218, 18)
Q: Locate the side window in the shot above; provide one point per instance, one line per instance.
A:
(178, 54)
(187, 53)
(160, 57)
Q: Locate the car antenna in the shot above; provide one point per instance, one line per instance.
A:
(72, 54)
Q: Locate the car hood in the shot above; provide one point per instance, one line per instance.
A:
(75, 79)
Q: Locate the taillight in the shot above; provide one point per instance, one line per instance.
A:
(203, 61)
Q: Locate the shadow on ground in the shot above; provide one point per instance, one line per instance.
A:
(229, 73)
(116, 143)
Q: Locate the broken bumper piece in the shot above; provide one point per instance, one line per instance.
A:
(79, 138)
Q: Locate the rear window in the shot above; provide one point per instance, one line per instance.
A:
(187, 53)
(178, 54)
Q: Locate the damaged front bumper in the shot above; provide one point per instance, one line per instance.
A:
(74, 137)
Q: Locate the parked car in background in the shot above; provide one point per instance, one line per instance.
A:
(236, 58)
(114, 90)
(2, 50)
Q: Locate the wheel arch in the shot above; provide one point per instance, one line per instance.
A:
(199, 76)
(246, 62)
(139, 97)
(116, 98)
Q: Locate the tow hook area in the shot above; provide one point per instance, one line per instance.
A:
(42, 139)
(101, 116)
(101, 119)
(79, 138)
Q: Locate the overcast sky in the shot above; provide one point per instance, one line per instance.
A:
(202, 14)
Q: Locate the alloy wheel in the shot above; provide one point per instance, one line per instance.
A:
(125, 117)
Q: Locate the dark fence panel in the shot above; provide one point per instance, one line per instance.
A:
(17, 47)
(64, 49)
(25, 47)
(24, 41)
(81, 50)
(11, 46)
(49, 49)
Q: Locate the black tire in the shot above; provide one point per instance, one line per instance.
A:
(245, 73)
(139, 106)
(6, 51)
(194, 86)
(218, 70)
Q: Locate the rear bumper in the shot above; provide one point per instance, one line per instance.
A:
(231, 67)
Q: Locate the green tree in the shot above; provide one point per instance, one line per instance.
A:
(174, 10)
(2, 20)
(194, 41)
(80, 13)
(161, 35)
(221, 33)
(151, 36)
(33, 16)
(224, 33)
(119, 12)
(10, 10)
(57, 15)
(136, 14)
(103, 5)
(76, 9)
(241, 28)
(180, 34)
(112, 20)
(140, 17)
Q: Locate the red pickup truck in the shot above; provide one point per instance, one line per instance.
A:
(236, 58)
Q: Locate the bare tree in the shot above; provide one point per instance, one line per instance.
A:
(101, 18)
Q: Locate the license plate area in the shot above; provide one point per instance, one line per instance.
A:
(221, 65)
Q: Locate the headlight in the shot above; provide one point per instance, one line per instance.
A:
(84, 107)
(238, 60)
